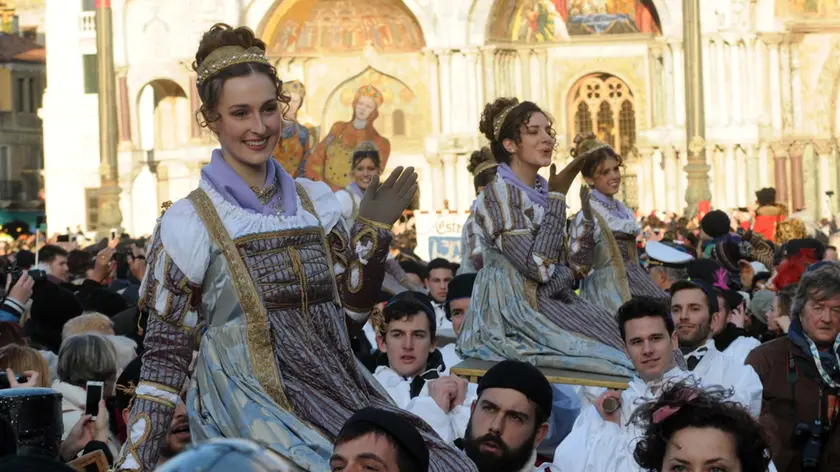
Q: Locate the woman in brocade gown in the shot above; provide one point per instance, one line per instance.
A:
(330, 161)
(483, 168)
(265, 263)
(366, 166)
(611, 269)
(523, 305)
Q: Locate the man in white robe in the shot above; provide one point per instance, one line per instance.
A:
(603, 439)
(729, 334)
(413, 377)
(694, 308)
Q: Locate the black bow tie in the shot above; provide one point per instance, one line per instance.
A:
(695, 357)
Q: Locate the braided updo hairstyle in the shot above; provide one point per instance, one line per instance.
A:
(209, 91)
(695, 407)
(485, 177)
(512, 125)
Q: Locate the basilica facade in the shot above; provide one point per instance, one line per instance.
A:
(615, 67)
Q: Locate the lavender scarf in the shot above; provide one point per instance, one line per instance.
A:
(540, 198)
(354, 187)
(221, 176)
(615, 207)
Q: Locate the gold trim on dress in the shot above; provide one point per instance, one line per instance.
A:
(257, 329)
(619, 268)
(375, 224)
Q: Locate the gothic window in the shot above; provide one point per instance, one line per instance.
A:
(398, 125)
(604, 105)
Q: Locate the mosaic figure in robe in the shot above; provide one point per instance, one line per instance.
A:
(261, 268)
(294, 144)
(523, 305)
(331, 160)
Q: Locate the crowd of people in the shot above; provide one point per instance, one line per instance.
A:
(271, 322)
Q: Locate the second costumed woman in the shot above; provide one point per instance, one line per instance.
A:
(523, 305)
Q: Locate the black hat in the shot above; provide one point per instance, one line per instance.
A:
(710, 271)
(52, 306)
(35, 416)
(795, 246)
(523, 378)
(460, 286)
(24, 259)
(728, 253)
(715, 224)
(127, 382)
(399, 428)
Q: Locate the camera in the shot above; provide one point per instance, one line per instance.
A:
(4, 380)
(16, 273)
(811, 436)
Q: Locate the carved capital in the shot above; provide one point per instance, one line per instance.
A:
(779, 150)
(796, 149)
(824, 146)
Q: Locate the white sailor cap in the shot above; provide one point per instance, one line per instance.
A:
(660, 254)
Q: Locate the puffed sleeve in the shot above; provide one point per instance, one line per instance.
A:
(172, 297)
(504, 219)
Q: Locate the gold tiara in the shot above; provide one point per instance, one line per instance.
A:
(500, 120)
(225, 57)
(484, 166)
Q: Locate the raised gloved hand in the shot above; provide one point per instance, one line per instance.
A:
(385, 203)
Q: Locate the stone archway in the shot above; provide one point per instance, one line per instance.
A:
(163, 115)
(263, 15)
(824, 117)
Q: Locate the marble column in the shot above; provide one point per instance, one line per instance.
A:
(753, 173)
(668, 59)
(775, 92)
(445, 61)
(731, 176)
(519, 71)
(660, 198)
(821, 178)
(796, 86)
(761, 88)
(536, 79)
(460, 95)
(764, 165)
(741, 178)
(678, 82)
(438, 188)
(796, 151)
(672, 180)
(709, 81)
(124, 111)
(544, 82)
(477, 71)
(488, 70)
(722, 88)
(735, 101)
(472, 91)
(787, 98)
(449, 179)
(780, 171)
(434, 89)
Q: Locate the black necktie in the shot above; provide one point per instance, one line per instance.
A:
(695, 357)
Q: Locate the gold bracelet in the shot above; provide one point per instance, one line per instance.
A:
(375, 224)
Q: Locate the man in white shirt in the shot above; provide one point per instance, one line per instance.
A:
(730, 336)
(694, 308)
(412, 377)
(508, 418)
(458, 296)
(437, 283)
(602, 440)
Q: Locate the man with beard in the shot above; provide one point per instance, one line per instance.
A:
(694, 308)
(508, 419)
